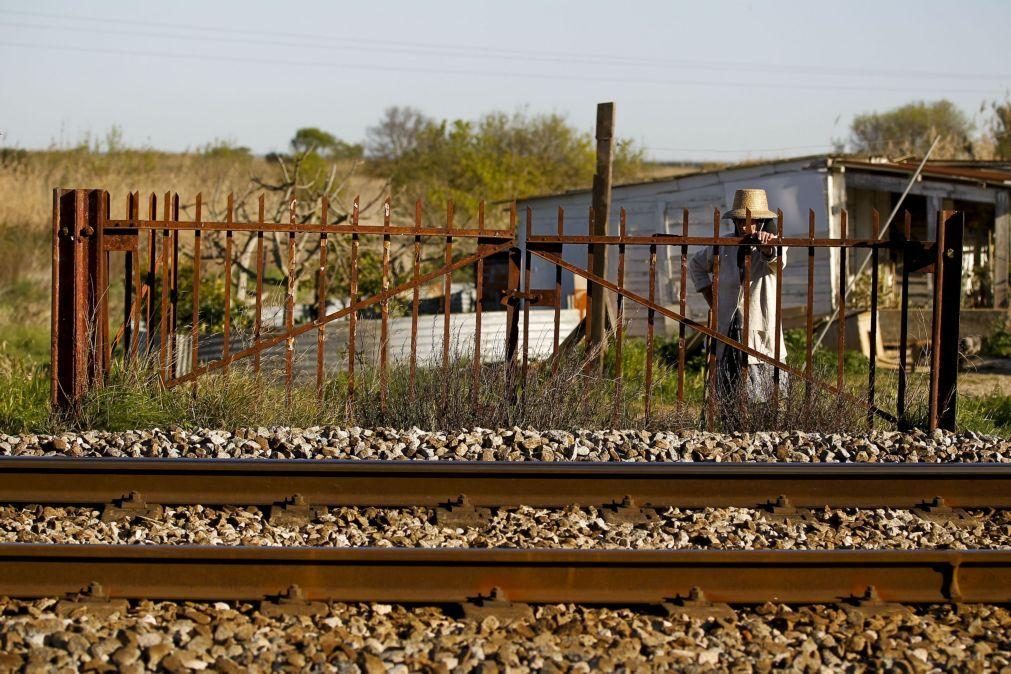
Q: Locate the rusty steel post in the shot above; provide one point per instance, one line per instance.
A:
(619, 323)
(944, 336)
(900, 394)
(512, 327)
(78, 294)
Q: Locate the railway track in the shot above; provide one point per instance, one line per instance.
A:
(539, 575)
(535, 576)
(501, 484)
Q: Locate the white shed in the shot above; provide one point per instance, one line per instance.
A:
(824, 184)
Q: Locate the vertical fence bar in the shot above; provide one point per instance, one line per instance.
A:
(195, 328)
(934, 404)
(714, 325)
(135, 305)
(226, 345)
(352, 302)
(447, 291)
(152, 263)
(777, 327)
(650, 320)
(591, 287)
(841, 318)
(289, 304)
(415, 300)
(873, 359)
(512, 331)
(809, 323)
(475, 385)
(101, 288)
(682, 308)
(384, 308)
(527, 260)
(174, 310)
(128, 287)
(900, 400)
(57, 335)
(742, 391)
(619, 328)
(164, 348)
(321, 293)
(258, 310)
(104, 344)
(947, 300)
(557, 335)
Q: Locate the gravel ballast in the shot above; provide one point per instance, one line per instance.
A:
(374, 638)
(518, 445)
(673, 529)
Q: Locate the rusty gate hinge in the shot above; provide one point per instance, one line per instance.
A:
(538, 297)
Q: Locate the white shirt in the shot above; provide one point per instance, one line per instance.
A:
(762, 311)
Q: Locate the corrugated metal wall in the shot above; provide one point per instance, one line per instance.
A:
(794, 186)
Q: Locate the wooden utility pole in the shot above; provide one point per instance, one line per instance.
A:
(601, 209)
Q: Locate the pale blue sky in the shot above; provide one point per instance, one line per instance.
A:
(691, 80)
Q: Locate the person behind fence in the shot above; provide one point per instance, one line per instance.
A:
(741, 378)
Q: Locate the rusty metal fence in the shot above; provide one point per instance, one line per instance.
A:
(942, 258)
(83, 343)
(84, 237)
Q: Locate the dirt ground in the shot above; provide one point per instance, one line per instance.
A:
(984, 376)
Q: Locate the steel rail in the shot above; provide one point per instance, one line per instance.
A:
(533, 576)
(503, 484)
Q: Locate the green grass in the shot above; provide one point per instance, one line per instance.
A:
(24, 393)
(989, 414)
(566, 395)
(998, 345)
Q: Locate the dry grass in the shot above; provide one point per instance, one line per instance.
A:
(27, 180)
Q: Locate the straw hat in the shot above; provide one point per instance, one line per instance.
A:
(750, 199)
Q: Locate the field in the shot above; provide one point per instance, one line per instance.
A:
(134, 398)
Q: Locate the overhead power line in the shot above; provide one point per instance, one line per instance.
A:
(484, 73)
(344, 42)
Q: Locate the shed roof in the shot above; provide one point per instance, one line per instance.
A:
(978, 172)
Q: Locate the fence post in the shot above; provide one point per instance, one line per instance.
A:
(944, 336)
(512, 328)
(79, 294)
(601, 201)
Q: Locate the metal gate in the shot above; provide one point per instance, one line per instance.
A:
(84, 238)
(941, 258)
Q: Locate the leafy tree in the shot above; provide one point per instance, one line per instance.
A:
(311, 140)
(397, 133)
(499, 157)
(999, 128)
(911, 128)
